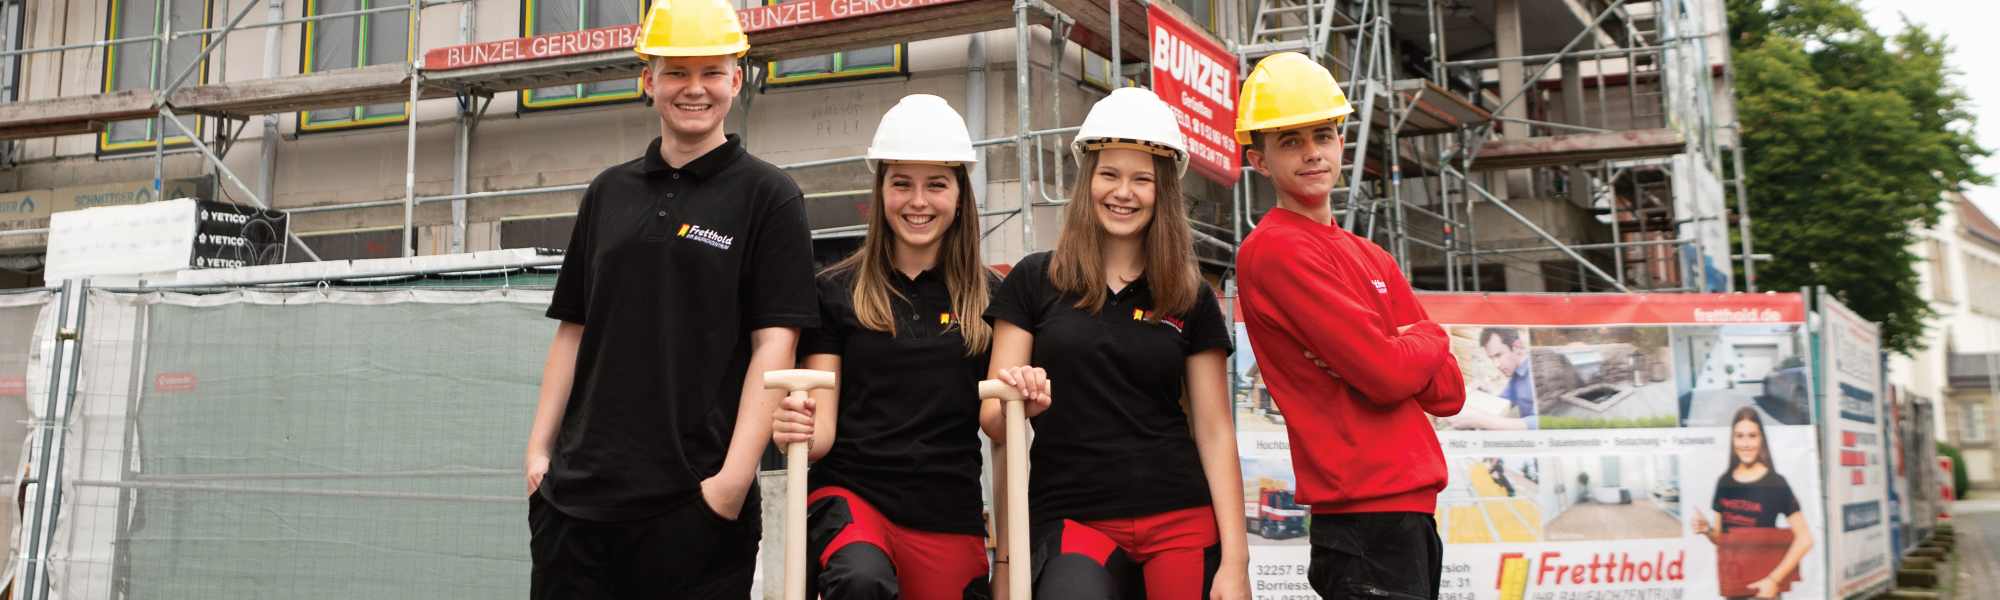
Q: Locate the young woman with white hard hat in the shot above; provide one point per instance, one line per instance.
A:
(895, 504)
(1135, 482)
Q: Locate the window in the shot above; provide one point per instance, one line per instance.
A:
(852, 64)
(1974, 422)
(1096, 71)
(1981, 278)
(131, 66)
(10, 39)
(1203, 11)
(1940, 272)
(560, 16)
(357, 41)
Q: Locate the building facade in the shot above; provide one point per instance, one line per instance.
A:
(1592, 131)
(1957, 367)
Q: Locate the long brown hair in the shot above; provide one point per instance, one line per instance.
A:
(1078, 264)
(1763, 438)
(958, 261)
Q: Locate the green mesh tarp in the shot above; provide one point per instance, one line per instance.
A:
(316, 445)
(19, 313)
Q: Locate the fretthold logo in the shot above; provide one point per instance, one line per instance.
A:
(706, 236)
(1381, 288)
(1141, 315)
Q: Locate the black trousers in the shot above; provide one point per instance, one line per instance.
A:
(686, 553)
(1376, 556)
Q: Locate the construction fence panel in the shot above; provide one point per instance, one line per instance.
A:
(21, 314)
(300, 444)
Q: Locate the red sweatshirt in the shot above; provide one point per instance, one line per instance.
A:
(1361, 442)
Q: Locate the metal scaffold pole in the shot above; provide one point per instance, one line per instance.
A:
(1024, 115)
(410, 163)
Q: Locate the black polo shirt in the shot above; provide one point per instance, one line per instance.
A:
(669, 270)
(1115, 442)
(908, 438)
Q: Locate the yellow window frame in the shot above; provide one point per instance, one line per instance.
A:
(897, 66)
(104, 143)
(894, 67)
(1093, 81)
(409, 54)
(527, 96)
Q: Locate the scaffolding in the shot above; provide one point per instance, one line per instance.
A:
(1430, 141)
(1442, 141)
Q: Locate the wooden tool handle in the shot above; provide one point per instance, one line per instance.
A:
(1017, 507)
(795, 518)
(1019, 582)
(1014, 539)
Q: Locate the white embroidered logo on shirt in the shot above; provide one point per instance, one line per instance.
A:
(706, 236)
(1381, 288)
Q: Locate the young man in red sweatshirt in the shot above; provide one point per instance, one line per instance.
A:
(1349, 355)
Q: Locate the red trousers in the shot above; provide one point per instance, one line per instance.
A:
(1166, 556)
(860, 555)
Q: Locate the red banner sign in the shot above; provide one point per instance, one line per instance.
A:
(174, 382)
(761, 18)
(1198, 80)
(1594, 310)
(1586, 310)
(803, 12)
(530, 48)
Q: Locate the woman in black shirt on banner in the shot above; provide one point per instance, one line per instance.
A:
(1754, 557)
(1134, 481)
(895, 505)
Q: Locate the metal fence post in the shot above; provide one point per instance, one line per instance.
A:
(48, 464)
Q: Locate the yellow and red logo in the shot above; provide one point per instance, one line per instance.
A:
(1141, 315)
(1513, 584)
(944, 318)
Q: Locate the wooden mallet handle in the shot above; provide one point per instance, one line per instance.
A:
(1019, 582)
(796, 382)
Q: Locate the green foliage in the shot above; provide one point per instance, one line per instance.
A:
(1851, 139)
(1961, 480)
(1555, 422)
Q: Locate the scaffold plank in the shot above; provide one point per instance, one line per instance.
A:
(605, 65)
(1578, 148)
(871, 30)
(1434, 109)
(378, 84)
(1093, 31)
(67, 115)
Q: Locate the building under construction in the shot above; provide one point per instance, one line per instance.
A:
(1497, 145)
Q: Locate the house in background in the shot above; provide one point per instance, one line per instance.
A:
(1961, 360)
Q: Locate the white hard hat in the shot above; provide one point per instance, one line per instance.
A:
(1132, 118)
(921, 129)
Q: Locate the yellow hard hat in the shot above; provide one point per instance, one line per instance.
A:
(1288, 90)
(691, 28)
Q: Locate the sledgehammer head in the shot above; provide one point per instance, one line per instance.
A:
(994, 388)
(798, 380)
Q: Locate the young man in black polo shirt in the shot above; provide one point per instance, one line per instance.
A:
(688, 276)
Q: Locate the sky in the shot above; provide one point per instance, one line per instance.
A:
(1972, 28)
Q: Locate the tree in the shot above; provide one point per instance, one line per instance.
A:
(1851, 140)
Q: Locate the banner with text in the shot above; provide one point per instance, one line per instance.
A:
(1198, 80)
(1857, 484)
(1611, 446)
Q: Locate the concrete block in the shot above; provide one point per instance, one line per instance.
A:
(1917, 578)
